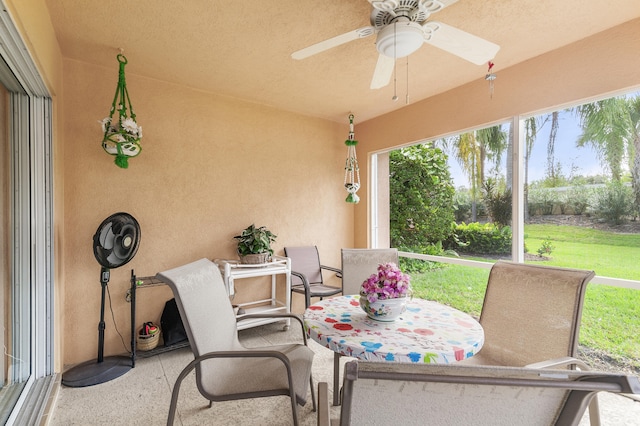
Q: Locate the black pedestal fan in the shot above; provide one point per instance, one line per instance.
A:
(114, 244)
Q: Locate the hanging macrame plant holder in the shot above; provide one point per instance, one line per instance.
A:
(351, 168)
(122, 136)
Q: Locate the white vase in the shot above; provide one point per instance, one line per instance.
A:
(383, 310)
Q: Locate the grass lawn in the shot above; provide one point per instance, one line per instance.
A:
(458, 286)
(611, 315)
(609, 254)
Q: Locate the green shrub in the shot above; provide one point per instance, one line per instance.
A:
(546, 248)
(480, 238)
(541, 200)
(498, 203)
(462, 205)
(614, 202)
(412, 266)
(563, 201)
(578, 198)
(481, 210)
(421, 196)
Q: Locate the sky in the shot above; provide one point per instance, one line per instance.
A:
(574, 160)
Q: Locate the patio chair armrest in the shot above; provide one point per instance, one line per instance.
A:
(303, 278)
(324, 412)
(307, 287)
(330, 268)
(278, 315)
(560, 362)
(594, 406)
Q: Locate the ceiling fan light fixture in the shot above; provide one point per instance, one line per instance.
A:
(400, 39)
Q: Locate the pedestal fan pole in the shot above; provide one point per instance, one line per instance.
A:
(104, 280)
(103, 369)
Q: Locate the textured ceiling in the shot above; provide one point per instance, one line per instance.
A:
(242, 48)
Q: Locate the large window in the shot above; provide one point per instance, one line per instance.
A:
(560, 188)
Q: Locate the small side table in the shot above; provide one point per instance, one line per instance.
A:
(234, 270)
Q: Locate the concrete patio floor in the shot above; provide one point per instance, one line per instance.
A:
(142, 395)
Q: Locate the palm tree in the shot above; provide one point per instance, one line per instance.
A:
(612, 127)
(634, 113)
(471, 150)
(468, 154)
(531, 126)
(607, 127)
(552, 172)
(493, 143)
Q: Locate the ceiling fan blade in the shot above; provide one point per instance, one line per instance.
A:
(460, 43)
(383, 72)
(333, 42)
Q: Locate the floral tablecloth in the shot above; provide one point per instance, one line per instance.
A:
(427, 332)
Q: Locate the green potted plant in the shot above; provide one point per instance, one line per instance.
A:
(254, 245)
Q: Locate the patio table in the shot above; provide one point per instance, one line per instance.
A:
(427, 332)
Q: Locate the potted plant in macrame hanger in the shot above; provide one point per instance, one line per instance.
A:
(254, 245)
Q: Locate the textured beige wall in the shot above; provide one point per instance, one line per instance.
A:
(209, 167)
(605, 63)
(33, 21)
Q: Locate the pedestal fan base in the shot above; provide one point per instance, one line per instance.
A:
(93, 372)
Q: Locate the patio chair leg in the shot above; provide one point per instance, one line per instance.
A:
(294, 408)
(594, 411)
(336, 379)
(176, 390)
(313, 396)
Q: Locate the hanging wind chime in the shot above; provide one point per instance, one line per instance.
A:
(490, 77)
(121, 137)
(351, 168)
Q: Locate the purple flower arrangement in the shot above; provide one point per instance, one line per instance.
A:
(388, 283)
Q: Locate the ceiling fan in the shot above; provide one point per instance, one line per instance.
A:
(402, 26)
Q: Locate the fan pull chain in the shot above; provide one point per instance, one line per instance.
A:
(407, 98)
(395, 65)
(395, 84)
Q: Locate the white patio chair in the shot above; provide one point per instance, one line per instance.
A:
(226, 370)
(431, 394)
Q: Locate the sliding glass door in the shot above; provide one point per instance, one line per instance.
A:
(26, 242)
